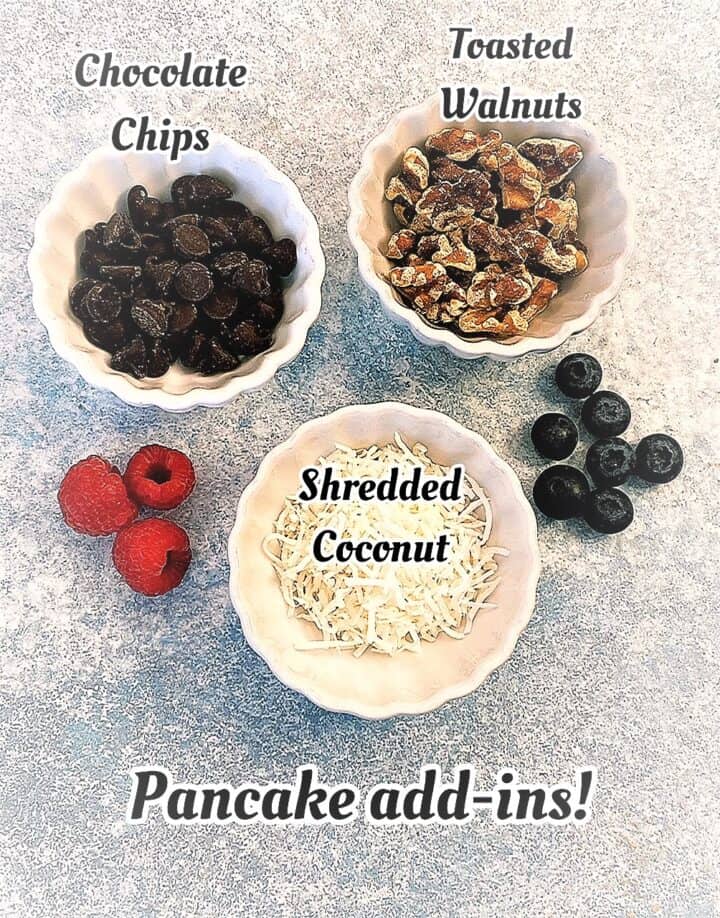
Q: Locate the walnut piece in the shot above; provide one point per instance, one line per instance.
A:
(454, 143)
(553, 157)
(486, 230)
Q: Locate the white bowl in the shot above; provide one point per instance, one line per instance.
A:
(96, 189)
(375, 685)
(605, 226)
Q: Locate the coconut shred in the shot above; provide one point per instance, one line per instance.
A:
(393, 604)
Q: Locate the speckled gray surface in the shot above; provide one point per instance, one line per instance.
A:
(619, 666)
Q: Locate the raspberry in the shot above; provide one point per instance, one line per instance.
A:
(93, 498)
(152, 555)
(159, 477)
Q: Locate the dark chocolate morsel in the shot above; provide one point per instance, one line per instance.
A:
(131, 359)
(193, 282)
(151, 317)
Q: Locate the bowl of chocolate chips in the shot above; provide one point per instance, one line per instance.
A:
(177, 284)
(491, 239)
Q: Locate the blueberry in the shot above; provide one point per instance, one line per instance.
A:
(554, 435)
(610, 461)
(578, 375)
(560, 492)
(659, 458)
(606, 414)
(609, 510)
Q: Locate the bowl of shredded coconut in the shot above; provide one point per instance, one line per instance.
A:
(384, 560)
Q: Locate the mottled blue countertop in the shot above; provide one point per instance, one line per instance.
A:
(619, 666)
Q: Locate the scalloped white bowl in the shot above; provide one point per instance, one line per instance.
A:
(605, 226)
(375, 685)
(96, 189)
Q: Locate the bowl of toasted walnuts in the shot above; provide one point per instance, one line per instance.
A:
(491, 239)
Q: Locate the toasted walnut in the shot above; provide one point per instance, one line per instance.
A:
(513, 287)
(421, 275)
(481, 294)
(403, 213)
(421, 224)
(561, 214)
(439, 195)
(454, 143)
(398, 189)
(544, 290)
(566, 259)
(428, 245)
(453, 291)
(401, 244)
(443, 169)
(453, 253)
(490, 142)
(477, 322)
(455, 217)
(530, 242)
(495, 241)
(454, 307)
(483, 242)
(554, 157)
(519, 182)
(416, 168)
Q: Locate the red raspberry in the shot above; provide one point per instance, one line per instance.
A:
(152, 555)
(159, 477)
(93, 498)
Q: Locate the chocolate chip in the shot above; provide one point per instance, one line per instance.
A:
(124, 277)
(131, 359)
(226, 265)
(108, 336)
(193, 282)
(206, 188)
(158, 359)
(151, 317)
(169, 226)
(162, 273)
(179, 192)
(119, 234)
(91, 262)
(253, 235)
(267, 314)
(221, 304)
(154, 246)
(194, 355)
(218, 359)
(252, 278)
(281, 256)
(182, 318)
(190, 242)
(144, 211)
(246, 339)
(102, 303)
(219, 233)
(78, 294)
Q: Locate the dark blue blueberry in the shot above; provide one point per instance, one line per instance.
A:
(609, 510)
(610, 461)
(578, 375)
(554, 435)
(560, 492)
(606, 414)
(659, 458)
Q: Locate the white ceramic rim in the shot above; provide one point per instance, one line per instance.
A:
(120, 384)
(482, 347)
(449, 692)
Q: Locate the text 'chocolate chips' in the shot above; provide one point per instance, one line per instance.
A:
(197, 280)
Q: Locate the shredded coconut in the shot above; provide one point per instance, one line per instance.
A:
(389, 606)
